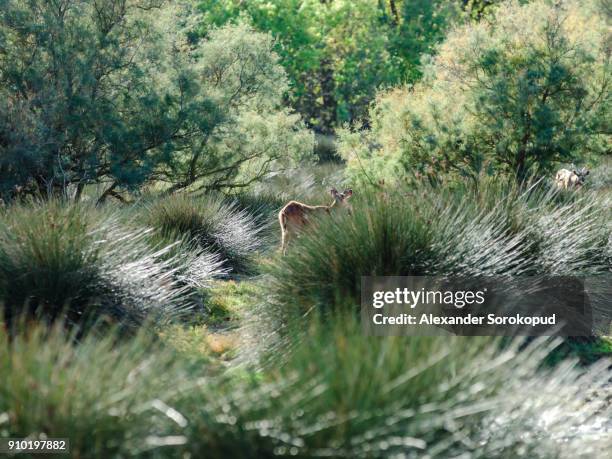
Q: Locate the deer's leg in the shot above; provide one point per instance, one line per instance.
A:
(284, 236)
(285, 241)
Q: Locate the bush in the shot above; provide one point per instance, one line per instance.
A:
(514, 94)
(496, 230)
(58, 259)
(212, 223)
(343, 394)
(139, 100)
(106, 397)
(337, 393)
(336, 54)
(264, 207)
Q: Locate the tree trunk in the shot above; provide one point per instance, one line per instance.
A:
(79, 191)
(328, 88)
(394, 15)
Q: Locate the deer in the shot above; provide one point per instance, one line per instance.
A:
(571, 179)
(294, 216)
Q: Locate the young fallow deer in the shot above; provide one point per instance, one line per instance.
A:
(294, 216)
(571, 179)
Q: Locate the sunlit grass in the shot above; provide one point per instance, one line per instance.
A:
(214, 224)
(328, 391)
(80, 263)
(230, 385)
(496, 230)
(105, 396)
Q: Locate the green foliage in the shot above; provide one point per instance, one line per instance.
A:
(81, 264)
(337, 53)
(422, 24)
(230, 299)
(47, 252)
(498, 230)
(400, 395)
(240, 73)
(121, 93)
(476, 9)
(517, 93)
(336, 393)
(99, 394)
(588, 350)
(212, 223)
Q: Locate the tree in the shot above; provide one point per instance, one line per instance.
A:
(239, 73)
(118, 92)
(337, 53)
(420, 26)
(516, 94)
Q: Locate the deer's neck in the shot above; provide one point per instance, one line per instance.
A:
(327, 208)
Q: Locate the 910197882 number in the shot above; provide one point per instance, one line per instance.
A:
(26, 445)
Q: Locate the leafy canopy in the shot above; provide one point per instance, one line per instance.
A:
(336, 52)
(122, 93)
(516, 93)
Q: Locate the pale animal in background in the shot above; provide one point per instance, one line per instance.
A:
(571, 179)
(294, 216)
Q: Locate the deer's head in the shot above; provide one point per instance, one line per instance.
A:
(582, 174)
(341, 199)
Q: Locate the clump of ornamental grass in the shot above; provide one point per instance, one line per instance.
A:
(82, 263)
(106, 395)
(264, 206)
(214, 224)
(191, 265)
(329, 391)
(493, 230)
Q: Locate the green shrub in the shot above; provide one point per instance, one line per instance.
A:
(140, 100)
(106, 397)
(330, 391)
(83, 263)
(523, 91)
(212, 223)
(496, 230)
(343, 394)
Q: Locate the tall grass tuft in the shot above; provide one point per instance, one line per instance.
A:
(338, 393)
(264, 206)
(332, 392)
(213, 223)
(496, 230)
(105, 396)
(81, 263)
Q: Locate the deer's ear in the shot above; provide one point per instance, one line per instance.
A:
(333, 192)
(348, 193)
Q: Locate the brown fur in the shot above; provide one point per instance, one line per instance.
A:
(294, 216)
(571, 179)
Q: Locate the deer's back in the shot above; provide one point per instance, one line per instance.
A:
(566, 178)
(297, 213)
